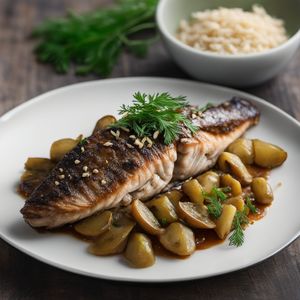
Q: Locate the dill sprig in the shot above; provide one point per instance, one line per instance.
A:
(251, 206)
(215, 199)
(237, 236)
(158, 112)
(94, 41)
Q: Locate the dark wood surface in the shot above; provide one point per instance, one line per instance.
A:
(21, 78)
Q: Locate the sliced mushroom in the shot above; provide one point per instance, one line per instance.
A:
(174, 196)
(104, 122)
(195, 215)
(193, 190)
(94, 225)
(267, 155)
(262, 190)
(236, 201)
(113, 240)
(235, 186)
(231, 163)
(209, 180)
(39, 164)
(224, 222)
(139, 251)
(163, 209)
(145, 218)
(243, 148)
(178, 239)
(61, 147)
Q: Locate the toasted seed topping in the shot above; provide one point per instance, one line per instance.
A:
(194, 116)
(82, 149)
(185, 140)
(125, 129)
(85, 168)
(61, 170)
(86, 174)
(200, 114)
(155, 134)
(129, 146)
(133, 137)
(107, 144)
(61, 176)
(143, 140)
(106, 161)
(149, 141)
(56, 182)
(95, 171)
(138, 143)
(103, 181)
(77, 162)
(115, 134)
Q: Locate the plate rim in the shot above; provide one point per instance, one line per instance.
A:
(39, 98)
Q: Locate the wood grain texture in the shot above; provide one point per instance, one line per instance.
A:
(21, 78)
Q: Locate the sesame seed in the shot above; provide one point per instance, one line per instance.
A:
(86, 174)
(125, 129)
(107, 144)
(56, 182)
(103, 181)
(200, 114)
(82, 149)
(185, 140)
(61, 176)
(106, 161)
(138, 143)
(129, 146)
(77, 162)
(61, 170)
(133, 137)
(85, 168)
(155, 134)
(95, 171)
(115, 134)
(194, 116)
(150, 143)
(144, 140)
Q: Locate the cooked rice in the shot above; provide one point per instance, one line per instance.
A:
(232, 31)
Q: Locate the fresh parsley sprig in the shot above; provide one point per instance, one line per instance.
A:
(158, 112)
(215, 199)
(237, 236)
(251, 206)
(94, 41)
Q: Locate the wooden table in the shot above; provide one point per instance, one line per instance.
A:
(21, 78)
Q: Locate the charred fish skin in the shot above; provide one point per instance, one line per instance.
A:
(218, 127)
(99, 177)
(110, 168)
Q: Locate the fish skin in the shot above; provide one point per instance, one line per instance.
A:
(132, 173)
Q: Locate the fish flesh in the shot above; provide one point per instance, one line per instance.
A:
(112, 167)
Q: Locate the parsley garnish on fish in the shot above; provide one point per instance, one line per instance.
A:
(94, 41)
(237, 236)
(155, 113)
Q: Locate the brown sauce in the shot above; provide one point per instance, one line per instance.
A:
(204, 238)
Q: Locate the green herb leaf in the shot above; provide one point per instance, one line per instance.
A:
(215, 199)
(94, 41)
(158, 112)
(237, 236)
(250, 205)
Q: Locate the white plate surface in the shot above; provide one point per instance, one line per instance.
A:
(29, 129)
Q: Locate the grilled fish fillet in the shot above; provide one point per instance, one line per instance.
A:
(108, 171)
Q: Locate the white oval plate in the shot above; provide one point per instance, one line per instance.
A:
(29, 129)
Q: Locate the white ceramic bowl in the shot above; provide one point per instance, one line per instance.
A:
(232, 70)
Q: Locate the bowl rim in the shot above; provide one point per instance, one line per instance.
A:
(161, 25)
